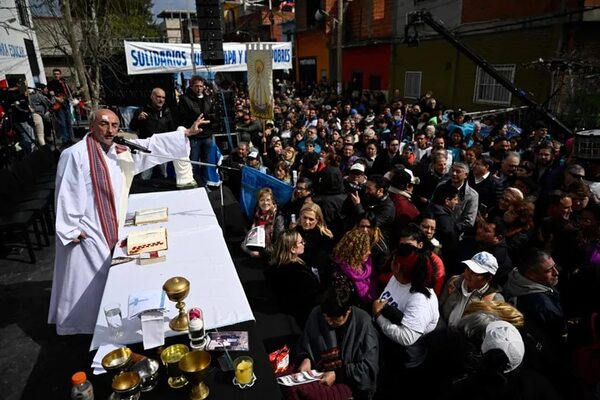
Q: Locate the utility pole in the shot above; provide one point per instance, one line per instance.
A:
(191, 37)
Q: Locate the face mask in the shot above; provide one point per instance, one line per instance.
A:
(397, 117)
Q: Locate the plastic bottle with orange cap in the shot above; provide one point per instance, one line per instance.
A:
(82, 388)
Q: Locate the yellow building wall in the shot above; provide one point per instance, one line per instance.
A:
(451, 75)
(313, 44)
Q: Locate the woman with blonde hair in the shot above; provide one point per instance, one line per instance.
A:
(294, 283)
(352, 255)
(505, 311)
(318, 238)
(379, 246)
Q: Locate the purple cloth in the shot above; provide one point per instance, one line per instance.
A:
(365, 285)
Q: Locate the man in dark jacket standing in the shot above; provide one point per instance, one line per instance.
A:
(532, 289)
(153, 118)
(194, 102)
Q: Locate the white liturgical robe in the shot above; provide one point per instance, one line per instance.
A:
(81, 270)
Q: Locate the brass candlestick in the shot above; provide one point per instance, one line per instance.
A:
(194, 366)
(177, 289)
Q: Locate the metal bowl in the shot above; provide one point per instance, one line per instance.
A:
(148, 371)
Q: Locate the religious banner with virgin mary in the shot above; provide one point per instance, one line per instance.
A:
(260, 80)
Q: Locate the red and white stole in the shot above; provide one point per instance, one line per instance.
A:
(103, 192)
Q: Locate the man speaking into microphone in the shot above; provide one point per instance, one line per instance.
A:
(92, 186)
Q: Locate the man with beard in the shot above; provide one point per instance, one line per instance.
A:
(544, 158)
(375, 203)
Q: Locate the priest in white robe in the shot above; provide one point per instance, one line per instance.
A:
(92, 186)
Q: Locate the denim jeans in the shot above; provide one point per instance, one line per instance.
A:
(63, 122)
(200, 151)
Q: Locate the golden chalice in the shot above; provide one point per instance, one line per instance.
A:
(195, 366)
(170, 358)
(177, 289)
(117, 361)
(127, 385)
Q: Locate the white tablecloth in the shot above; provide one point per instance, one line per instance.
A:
(197, 251)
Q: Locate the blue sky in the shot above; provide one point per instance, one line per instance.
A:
(160, 5)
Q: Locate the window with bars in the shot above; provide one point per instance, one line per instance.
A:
(412, 84)
(489, 91)
(23, 13)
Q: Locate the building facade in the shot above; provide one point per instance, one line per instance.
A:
(20, 56)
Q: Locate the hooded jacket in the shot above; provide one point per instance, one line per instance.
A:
(539, 303)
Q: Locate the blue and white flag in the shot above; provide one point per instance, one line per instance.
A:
(253, 180)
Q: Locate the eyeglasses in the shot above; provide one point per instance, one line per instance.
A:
(364, 226)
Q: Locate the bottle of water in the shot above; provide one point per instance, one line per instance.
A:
(82, 388)
(293, 218)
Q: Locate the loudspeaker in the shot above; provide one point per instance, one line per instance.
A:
(210, 22)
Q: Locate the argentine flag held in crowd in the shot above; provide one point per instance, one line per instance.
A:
(253, 180)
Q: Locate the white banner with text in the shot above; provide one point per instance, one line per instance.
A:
(162, 58)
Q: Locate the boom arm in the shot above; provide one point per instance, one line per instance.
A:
(424, 16)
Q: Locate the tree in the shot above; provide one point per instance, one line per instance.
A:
(91, 33)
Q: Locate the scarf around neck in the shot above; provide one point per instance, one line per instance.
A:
(103, 192)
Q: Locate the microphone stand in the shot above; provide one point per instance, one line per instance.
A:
(223, 227)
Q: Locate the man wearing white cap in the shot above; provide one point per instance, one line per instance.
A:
(472, 285)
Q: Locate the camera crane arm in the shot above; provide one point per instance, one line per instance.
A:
(424, 16)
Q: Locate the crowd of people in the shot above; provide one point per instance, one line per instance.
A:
(31, 116)
(422, 252)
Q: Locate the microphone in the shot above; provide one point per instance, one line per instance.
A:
(132, 146)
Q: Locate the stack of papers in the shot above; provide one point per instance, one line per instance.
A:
(102, 351)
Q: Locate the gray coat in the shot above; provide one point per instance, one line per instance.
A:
(359, 349)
